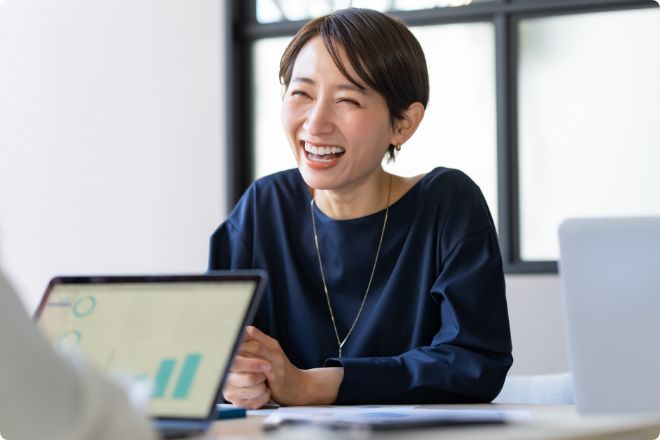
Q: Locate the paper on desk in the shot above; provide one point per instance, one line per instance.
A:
(389, 416)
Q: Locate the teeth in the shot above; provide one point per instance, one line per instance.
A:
(321, 151)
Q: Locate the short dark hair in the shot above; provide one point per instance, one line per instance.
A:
(381, 49)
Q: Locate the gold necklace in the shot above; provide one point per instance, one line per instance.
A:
(340, 342)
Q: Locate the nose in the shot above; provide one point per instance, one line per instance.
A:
(319, 119)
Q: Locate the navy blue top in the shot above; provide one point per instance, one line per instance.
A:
(434, 328)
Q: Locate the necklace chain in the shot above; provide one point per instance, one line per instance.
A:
(341, 342)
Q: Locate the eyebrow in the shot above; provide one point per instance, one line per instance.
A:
(346, 86)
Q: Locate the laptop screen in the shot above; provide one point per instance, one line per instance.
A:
(179, 335)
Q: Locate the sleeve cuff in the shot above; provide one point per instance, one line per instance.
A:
(372, 380)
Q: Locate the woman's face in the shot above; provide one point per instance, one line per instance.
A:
(337, 131)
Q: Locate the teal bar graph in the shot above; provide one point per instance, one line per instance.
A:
(186, 376)
(163, 375)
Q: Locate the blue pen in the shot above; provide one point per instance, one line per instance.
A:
(228, 411)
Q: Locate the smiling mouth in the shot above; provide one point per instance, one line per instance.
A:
(322, 153)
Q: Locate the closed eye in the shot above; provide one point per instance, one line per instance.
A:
(349, 101)
(299, 93)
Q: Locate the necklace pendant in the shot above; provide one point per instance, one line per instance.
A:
(340, 352)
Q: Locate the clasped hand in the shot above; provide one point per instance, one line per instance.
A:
(262, 372)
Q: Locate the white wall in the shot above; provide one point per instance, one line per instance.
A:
(111, 126)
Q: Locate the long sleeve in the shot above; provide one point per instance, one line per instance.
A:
(434, 326)
(228, 249)
(468, 357)
(41, 396)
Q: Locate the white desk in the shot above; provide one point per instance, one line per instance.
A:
(546, 422)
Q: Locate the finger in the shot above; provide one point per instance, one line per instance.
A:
(233, 394)
(263, 400)
(244, 364)
(243, 351)
(258, 335)
(254, 403)
(242, 380)
(249, 331)
(245, 395)
(249, 393)
(254, 349)
(245, 336)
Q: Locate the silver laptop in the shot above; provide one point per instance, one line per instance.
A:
(177, 333)
(610, 274)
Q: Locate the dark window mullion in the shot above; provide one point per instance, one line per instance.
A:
(507, 175)
(240, 139)
(571, 6)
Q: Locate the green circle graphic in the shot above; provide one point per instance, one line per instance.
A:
(84, 306)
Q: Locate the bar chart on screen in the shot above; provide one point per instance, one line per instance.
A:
(184, 381)
(146, 337)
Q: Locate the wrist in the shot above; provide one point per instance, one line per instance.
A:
(321, 385)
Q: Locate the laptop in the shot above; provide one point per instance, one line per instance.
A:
(610, 274)
(177, 333)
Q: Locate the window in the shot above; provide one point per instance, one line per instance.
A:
(589, 138)
(541, 102)
(462, 71)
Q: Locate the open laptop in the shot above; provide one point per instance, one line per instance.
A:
(178, 333)
(610, 274)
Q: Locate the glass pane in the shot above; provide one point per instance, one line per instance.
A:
(458, 130)
(269, 11)
(272, 151)
(459, 127)
(589, 108)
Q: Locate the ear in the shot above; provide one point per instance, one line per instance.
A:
(407, 125)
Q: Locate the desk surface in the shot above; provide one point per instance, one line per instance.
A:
(546, 422)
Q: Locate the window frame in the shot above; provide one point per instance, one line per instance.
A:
(242, 30)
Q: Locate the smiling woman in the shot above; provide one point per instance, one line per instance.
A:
(383, 289)
(340, 127)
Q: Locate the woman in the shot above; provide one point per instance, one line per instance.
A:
(382, 289)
